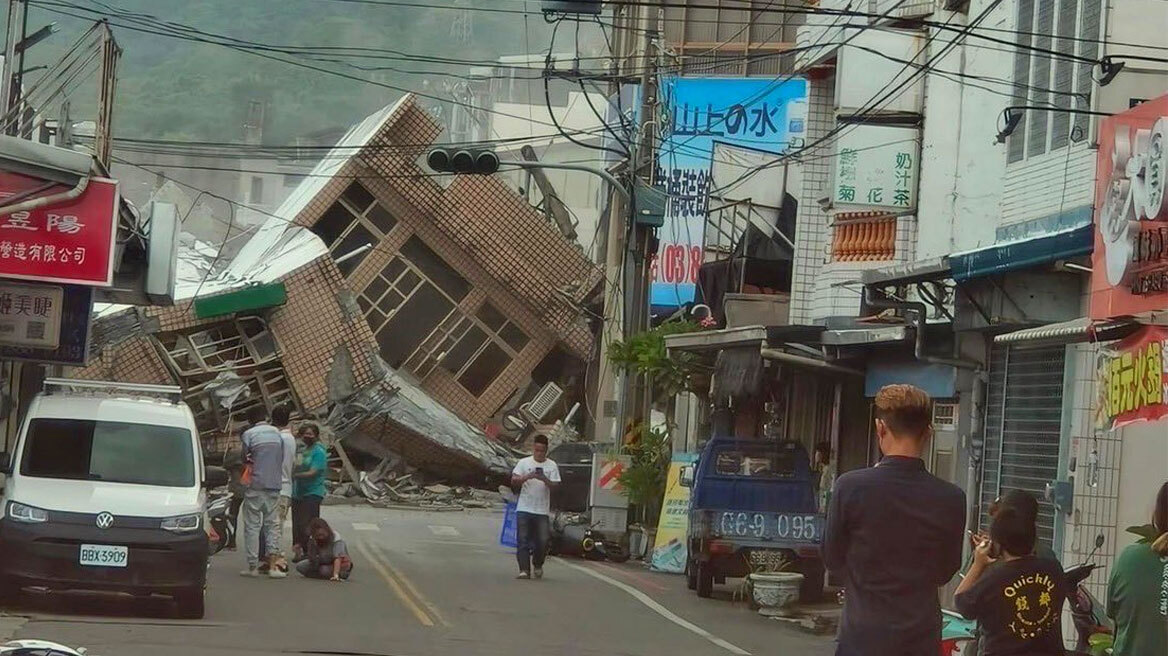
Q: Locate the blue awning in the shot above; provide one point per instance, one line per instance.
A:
(1022, 254)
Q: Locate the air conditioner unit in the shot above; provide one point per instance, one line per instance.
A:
(538, 408)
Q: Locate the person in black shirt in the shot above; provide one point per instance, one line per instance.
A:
(1019, 600)
(895, 534)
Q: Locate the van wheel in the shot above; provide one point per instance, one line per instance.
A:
(705, 579)
(190, 603)
(691, 574)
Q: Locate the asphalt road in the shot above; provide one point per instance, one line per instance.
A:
(425, 584)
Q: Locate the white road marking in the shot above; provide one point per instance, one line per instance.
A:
(445, 531)
(361, 526)
(659, 609)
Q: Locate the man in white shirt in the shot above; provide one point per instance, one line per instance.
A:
(535, 476)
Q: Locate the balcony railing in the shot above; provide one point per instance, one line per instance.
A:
(868, 239)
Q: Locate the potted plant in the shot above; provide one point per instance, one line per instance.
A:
(771, 585)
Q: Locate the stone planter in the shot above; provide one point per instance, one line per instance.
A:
(775, 589)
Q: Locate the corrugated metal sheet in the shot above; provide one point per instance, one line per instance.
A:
(1023, 427)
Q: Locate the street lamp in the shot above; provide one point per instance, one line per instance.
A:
(1013, 116)
(36, 37)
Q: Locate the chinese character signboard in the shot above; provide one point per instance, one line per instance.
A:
(670, 549)
(30, 315)
(876, 166)
(1133, 379)
(1130, 262)
(69, 242)
(761, 114)
(45, 323)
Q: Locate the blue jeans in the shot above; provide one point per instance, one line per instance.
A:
(260, 512)
(532, 534)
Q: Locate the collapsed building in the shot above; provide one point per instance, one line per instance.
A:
(405, 313)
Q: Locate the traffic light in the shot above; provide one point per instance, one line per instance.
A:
(478, 161)
(570, 7)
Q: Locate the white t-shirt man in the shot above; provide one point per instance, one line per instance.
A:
(534, 496)
(289, 460)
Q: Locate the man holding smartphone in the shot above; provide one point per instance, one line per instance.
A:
(534, 476)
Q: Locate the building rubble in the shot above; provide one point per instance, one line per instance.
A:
(283, 321)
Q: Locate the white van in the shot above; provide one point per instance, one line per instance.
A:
(104, 492)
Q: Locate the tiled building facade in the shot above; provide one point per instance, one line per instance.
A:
(466, 287)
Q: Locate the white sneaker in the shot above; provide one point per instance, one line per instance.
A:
(277, 573)
(538, 572)
(251, 573)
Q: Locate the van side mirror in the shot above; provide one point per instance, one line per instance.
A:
(686, 476)
(5, 463)
(215, 477)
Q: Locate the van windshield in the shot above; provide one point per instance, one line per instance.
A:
(111, 451)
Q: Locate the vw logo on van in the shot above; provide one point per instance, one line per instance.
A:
(105, 520)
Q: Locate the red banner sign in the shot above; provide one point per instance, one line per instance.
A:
(1133, 379)
(1130, 263)
(69, 242)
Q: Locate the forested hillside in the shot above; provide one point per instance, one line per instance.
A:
(186, 89)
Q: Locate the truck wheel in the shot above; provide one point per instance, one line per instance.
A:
(705, 583)
(9, 592)
(811, 590)
(691, 574)
(190, 604)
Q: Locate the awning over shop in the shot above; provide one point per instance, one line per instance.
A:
(713, 340)
(908, 273)
(1022, 254)
(1069, 332)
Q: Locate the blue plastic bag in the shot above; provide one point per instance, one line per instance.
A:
(508, 536)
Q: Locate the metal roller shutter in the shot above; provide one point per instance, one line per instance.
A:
(1023, 427)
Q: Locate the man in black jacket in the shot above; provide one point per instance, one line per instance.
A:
(894, 534)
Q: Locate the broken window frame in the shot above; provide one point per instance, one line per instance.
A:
(244, 345)
(359, 217)
(250, 346)
(491, 336)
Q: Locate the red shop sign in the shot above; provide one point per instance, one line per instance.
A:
(1133, 379)
(70, 242)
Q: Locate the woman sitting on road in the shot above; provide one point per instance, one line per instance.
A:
(327, 556)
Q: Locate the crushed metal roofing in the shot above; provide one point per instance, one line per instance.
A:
(412, 408)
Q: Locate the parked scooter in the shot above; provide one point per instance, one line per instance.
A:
(1094, 631)
(221, 522)
(573, 535)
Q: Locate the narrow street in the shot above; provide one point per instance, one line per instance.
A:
(427, 584)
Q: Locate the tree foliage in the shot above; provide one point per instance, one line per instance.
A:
(645, 354)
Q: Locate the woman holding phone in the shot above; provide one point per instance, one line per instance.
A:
(1019, 600)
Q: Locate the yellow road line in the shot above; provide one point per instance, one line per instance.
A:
(406, 600)
(409, 585)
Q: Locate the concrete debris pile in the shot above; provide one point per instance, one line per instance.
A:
(392, 484)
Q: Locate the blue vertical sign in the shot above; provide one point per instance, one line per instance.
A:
(757, 113)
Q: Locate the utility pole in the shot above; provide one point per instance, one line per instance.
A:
(626, 307)
(640, 250)
(108, 84)
(16, 23)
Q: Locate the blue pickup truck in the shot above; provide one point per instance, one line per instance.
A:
(753, 507)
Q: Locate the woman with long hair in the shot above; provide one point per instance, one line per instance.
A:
(327, 556)
(1137, 592)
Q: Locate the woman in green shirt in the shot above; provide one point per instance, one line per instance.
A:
(308, 487)
(1137, 593)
